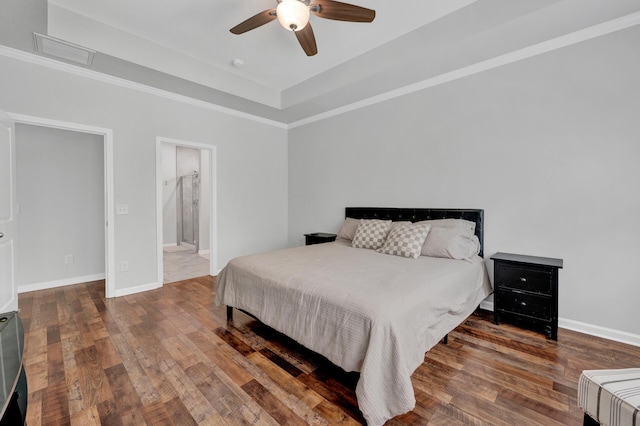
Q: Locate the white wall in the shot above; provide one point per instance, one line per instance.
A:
(252, 160)
(548, 147)
(205, 201)
(169, 213)
(60, 182)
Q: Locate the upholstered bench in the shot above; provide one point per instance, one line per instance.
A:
(610, 397)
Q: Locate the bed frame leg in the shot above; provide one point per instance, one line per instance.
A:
(589, 421)
(446, 339)
(229, 313)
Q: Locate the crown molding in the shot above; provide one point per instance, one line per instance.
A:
(121, 82)
(589, 33)
(508, 58)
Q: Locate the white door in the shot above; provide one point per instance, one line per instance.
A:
(8, 290)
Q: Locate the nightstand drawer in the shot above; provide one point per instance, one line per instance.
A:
(525, 304)
(519, 277)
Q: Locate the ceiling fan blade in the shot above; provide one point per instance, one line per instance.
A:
(330, 9)
(255, 21)
(307, 40)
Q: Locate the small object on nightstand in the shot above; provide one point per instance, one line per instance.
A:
(526, 291)
(318, 238)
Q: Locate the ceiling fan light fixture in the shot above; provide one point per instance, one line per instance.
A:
(292, 14)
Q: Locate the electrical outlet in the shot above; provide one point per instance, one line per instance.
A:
(122, 209)
(124, 266)
(68, 259)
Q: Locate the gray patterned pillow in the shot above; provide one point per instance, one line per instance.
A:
(405, 240)
(371, 233)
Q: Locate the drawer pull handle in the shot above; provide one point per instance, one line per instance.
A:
(523, 303)
(523, 279)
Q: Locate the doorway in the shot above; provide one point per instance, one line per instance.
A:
(185, 210)
(105, 136)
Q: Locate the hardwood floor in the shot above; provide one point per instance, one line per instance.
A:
(168, 357)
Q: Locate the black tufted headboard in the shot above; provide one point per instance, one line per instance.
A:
(416, 215)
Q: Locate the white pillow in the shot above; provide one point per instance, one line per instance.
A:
(452, 243)
(348, 229)
(405, 239)
(466, 225)
(371, 233)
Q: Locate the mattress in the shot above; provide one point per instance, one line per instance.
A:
(368, 312)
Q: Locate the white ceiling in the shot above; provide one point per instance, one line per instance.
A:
(409, 41)
(273, 57)
(167, 35)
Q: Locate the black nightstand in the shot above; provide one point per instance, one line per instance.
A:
(526, 291)
(318, 238)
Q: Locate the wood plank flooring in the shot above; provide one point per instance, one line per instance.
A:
(168, 357)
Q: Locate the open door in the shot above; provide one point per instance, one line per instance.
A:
(8, 289)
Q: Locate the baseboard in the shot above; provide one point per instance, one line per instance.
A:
(487, 305)
(60, 283)
(596, 330)
(204, 251)
(170, 245)
(583, 327)
(137, 289)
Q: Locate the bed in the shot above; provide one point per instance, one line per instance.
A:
(364, 311)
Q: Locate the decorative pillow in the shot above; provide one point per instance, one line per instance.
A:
(405, 240)
(348, 229)
(466, 225)
(452, 243)
(371, 233)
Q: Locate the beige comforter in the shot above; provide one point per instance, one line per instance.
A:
(365, 311)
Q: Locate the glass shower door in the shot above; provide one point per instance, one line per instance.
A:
(188, 202)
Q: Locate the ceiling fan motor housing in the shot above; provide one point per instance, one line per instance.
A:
(293, 14)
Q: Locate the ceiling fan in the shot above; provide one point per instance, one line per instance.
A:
(294, 16)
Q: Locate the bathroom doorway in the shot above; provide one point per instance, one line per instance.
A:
(185, 230)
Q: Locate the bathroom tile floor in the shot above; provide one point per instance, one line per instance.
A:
(181, 263)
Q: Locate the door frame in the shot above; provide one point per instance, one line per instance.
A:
(109, 228)
(10, 222)
(213, 202)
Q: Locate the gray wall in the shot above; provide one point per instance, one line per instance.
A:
(19, 19)
(60, 186)
(547, 146)
(251, 170)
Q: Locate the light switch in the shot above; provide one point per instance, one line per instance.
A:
(122, 209)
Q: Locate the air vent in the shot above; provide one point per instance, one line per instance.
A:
(61, 49)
